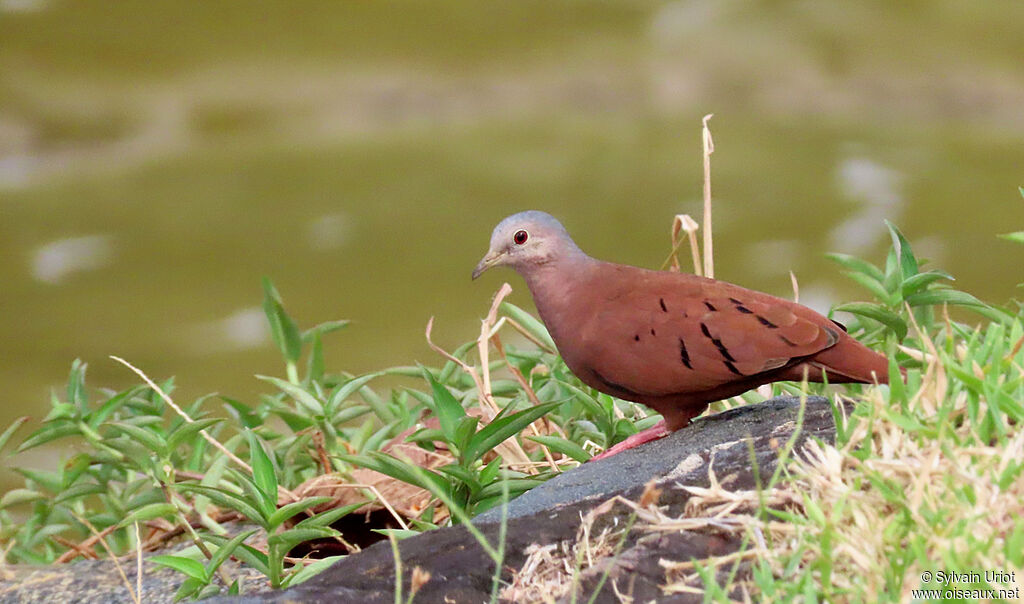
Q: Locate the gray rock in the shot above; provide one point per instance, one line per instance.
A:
(461, 572)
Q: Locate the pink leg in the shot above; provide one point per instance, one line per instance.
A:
(658, 430)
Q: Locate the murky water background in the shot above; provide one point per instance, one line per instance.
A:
(158, 158)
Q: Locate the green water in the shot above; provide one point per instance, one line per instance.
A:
(360, 153)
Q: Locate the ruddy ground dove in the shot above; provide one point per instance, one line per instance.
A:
(672, 341)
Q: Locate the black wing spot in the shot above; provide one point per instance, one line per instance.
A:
(722, 349)
(662, 302)
(732, 368)
(766, 322)
(718, 343)
(787, 340)
(683, 355)
(740, 307)
(710, 306)
(637, 337)
(652, 332)
(840, 325)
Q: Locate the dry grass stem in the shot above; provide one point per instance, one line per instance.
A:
(683, 222)
(709, 148)
(138, 560)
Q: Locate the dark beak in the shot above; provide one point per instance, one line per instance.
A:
(486, 263)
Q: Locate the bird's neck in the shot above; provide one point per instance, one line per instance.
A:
(555, 285)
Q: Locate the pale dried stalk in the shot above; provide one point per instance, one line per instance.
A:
(483, 344)
(138, 560)
(510, 449)
(709, 148)
(683, 222)
(518, 375)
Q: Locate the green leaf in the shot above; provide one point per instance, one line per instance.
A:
(187, 566)
(247, 554)
(292, 537)
(1016, 237)
(944, 296)
(315, 369)
(11, 430)
(877, 313)
(461, 474)
(147, 438)
(18, 496)
(398, 534)
(245, 415)
(533, 326)
(149, 512)
(907, 261)
(349, 388)
(263, 473)
(282, 327)
(60, 410)
(502, 428)
(350, 413)
(857, 265)
(323, 329)
(298, 393)
(76, 386)
(296, 507)
(47, 433)
(448, 410)
(227, 499)
(516, 486)
(594, 408)
(190, 587)
(225, 550)
(465, 431)
(397, 468)
(329, 517)
(310, 570)
(875, 287)
(112, 404)
(490, 471)
(563, 446)
(921, 281)
(49, 480)
(189, 431)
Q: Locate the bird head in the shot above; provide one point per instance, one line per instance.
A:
(526, 240)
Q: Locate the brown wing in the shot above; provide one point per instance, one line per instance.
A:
(671, 333)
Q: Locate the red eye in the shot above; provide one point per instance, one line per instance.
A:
(520, 237)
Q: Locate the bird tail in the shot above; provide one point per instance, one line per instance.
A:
(849, 361)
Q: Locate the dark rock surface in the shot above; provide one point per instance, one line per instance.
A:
(100, 581)
(462, 573)
(460, 570)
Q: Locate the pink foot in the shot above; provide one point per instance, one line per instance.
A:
(658, 430)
